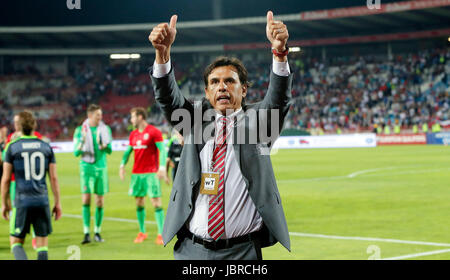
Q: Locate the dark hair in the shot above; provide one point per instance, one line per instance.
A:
(228, 61)
(27, 122)
(139, 111)
(93, 107)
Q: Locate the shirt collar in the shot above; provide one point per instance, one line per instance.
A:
(231, 116)
(28, 137)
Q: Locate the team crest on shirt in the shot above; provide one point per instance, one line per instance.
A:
(139, 145)
(146, 136)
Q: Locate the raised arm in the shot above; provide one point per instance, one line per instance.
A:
(167, 92)
(162, 37)
(277, 34)
(279, 92)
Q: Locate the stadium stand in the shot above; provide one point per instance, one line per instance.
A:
(399, 77)
(352, 93)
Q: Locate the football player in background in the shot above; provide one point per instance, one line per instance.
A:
(146, 140)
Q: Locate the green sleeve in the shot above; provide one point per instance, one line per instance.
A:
(6, 149)
(170, 141)
(108, 148)
(77, 142)
(3, 154)
(162, 153)
(126, 156)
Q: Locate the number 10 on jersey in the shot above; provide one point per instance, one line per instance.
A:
(29, 162)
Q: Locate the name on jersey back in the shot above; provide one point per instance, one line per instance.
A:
(32, 145)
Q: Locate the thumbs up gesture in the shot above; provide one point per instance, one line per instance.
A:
(162, 38)
(276, 32)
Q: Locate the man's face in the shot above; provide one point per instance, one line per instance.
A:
(135, 119)
(17, 126)
(224, 90)
(95, 117)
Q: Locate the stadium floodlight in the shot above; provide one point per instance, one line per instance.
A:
(295, 49)
(125, 56)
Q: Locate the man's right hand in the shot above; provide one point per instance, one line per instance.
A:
(57, 211)
(167, 178)
(162, 38)
(5, 210)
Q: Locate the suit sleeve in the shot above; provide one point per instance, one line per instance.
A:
(279, 94)
(170, 99)
(276, 101)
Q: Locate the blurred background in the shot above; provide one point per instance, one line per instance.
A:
(356, 69)
(366, 76)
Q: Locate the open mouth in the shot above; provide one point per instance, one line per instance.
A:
(223, 99)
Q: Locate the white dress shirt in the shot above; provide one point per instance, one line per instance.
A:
(240, 212)
(241, 216)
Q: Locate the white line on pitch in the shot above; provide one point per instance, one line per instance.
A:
(368, 175)
(110, 219)
(409, 172)
(313, 235)
(79, 195)
(410, 256)
(374, 239)
(354, 174)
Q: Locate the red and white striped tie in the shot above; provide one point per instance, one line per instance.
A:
(216, 218)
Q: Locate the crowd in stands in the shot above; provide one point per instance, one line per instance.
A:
(349, 94)
(60, 101)
(358, 93)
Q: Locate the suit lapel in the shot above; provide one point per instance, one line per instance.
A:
(237, 147)
(205, 105)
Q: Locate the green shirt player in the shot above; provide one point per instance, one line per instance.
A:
(29, 159)
(148, 168)
(92, 141)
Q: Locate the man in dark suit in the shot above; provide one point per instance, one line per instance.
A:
(225, 202)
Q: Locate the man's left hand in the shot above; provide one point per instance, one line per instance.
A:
(277, 33)
(162, 174)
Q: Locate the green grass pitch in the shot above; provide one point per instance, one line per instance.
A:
(384, 202)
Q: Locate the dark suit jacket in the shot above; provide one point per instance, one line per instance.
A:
(256, 167)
